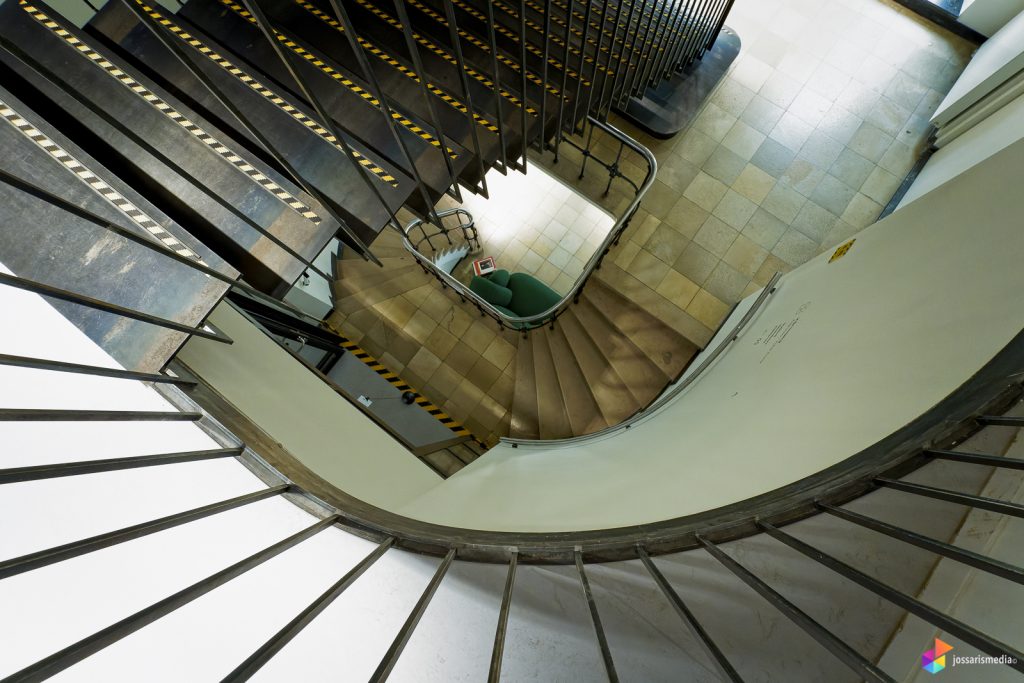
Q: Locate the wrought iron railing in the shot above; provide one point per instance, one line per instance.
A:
(549, 316)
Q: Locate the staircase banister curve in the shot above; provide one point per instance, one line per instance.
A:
(524, 324)
(673, 390)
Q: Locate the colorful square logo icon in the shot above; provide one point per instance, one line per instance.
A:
(934, 661)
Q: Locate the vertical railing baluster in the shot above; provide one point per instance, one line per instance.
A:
(565, 79)
(428, 98)
(522, 76)
(76, 652)
(497, 87)
(544, 77)
(593, 73)
(494, 673)
(385, 109)
(265, 653)
(953, 627)
(838, 647)
(718, 658)
(453, 35)
(595, 617)
(193, 67)
(390, 659)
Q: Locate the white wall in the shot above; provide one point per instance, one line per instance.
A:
(993, 63)
(988, 16)
(923, 300)
(320, 428)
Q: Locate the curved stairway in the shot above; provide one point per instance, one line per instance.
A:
(605, 358)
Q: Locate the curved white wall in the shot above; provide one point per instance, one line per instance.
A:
(924, 298)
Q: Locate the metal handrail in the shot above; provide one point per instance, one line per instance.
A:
(528, 322)
(674, 390)
(465, 227)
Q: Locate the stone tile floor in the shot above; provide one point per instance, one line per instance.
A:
(533, 223)
(803, 144)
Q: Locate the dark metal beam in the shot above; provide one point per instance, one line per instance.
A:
(71, 655)
(96, 370)
(977, 458)
(1001, 421)
(42, 558)
(191, 63)
(595, 617)
(89, 302)
(70, 469)
(967, 499)
(147, 242)
(987, 564)
(66, 88)
(494, 674)
(50, 415)
(725, 670)
(260, 657)
(843, 652)
(954, 627)
(387, 664)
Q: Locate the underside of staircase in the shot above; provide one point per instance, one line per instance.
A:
(605, 359)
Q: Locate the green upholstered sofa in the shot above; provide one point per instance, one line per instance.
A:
(515, 294)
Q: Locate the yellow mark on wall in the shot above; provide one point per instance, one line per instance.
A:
(841, 251)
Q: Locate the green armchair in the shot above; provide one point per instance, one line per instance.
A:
(515, 294)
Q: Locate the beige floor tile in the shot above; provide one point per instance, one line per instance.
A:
(726, 283)
(734, 209)
(716, 236)
(678, 288)
(441, 342)
(753, 183)
(666, 243)
(707, 309)
(696, 263)
(705, 191)
(784, 202)
(743, 140)
(648, 268)
(424, 363)
(420, 326)
(880, 186)
(795, 248)
(862, 211)
(746, 256)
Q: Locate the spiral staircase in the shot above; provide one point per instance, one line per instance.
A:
(859, 501)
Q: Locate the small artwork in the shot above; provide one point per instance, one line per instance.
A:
(484, 266)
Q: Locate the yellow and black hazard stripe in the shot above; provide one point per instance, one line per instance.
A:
(614, 57)
(401, 68)
(587, 59)
(533, 78)
(96, 184)
(347, 82)
(170, 112)
(533, 49)
(264, 92)
(400, 384)
(443, 54)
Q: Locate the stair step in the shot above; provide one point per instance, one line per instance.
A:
(630, 288)
(524, 398)
(400, 283)
(584, 413)
(642, 377)
(443, 462)
(552, 417)
(609, 390)
(464, 453)
(666, 348)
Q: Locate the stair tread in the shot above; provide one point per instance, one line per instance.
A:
(667, 349)
(524, 397)
(552, 418)
(609, 390)
(585, 415)
(642, 377)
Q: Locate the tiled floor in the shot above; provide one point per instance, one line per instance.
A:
(803, 144)
(533, 223)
